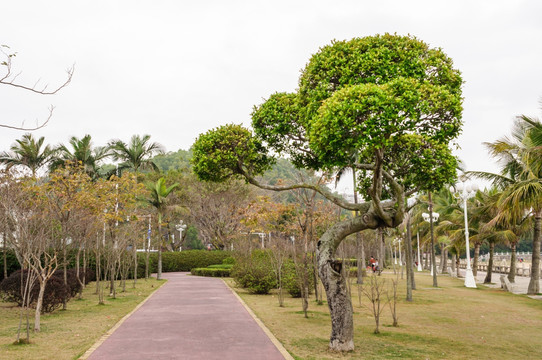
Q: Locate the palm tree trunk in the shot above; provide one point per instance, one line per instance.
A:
(513, 259)
(475, 258)
(159, 274)
(489, 273)
(443, 259)
(534, 283)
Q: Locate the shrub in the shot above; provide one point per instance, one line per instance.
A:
(291, 281)
(220, 266)
(185, 260)
(229, 260)
(254, 272)
(73, 284)
(212, 272)
(55, 291)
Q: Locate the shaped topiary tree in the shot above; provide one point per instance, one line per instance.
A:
(387, 106)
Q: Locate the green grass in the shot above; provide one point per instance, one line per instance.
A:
(452, 322)
(67, 334)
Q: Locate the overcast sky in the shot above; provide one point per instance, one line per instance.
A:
(174, 69)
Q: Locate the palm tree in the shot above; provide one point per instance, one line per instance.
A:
(81, 152)
(522, 193)
(137, 153)
(27, 152)
(158, 199)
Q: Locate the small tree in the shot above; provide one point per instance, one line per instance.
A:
(391, 100)
(158, 193)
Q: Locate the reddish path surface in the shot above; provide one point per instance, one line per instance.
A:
(189, 317)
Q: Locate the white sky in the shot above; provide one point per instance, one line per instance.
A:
(174, 69)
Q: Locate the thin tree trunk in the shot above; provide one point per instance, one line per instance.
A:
(433, 262)
(159, 274)
(39, 304)
(65, 270)
(382, 260)
(5, 251)
(443, 259)
(475, 258)
(513, 264)
(408, 260)
(489, 273)
(534, 283)
(135, 264)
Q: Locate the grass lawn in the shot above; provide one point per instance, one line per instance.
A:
(67, 334)
(449, 322)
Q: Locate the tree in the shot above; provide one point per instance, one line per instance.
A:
(28, 152)
(217, 210)
(137, 153)
(9, 79)
(82, 151)
(392, 100)
(521, 181)
(158, 199)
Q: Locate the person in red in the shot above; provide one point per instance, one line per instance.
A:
(372, 263)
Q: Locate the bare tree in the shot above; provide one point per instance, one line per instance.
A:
(10, 79)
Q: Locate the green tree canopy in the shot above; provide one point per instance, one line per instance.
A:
(387, 106)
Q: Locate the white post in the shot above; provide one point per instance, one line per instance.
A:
(419, 257)
(469, 276)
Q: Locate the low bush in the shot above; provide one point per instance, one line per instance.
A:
(55, 291)
(291, 281)
(211, 272)
(254, 272)
(221, 266)
(185, 260)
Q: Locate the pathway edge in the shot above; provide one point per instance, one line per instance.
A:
(267, 332)
(116, 326)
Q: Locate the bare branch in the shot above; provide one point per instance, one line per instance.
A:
(38, 126)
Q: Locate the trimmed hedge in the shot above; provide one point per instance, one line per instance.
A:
(211, 272)
(185, 260)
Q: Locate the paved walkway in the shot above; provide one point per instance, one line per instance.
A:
(189, 317)
(519, 287)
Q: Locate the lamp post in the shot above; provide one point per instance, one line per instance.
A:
(419, 258)
(464, 191)
(431, 218)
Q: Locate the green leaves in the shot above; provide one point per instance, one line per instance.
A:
(227, 151)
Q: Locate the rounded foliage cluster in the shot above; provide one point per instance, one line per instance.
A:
(254, 272)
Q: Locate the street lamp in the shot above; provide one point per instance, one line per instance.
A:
(431, 218)
(463, 191)
(180, 227)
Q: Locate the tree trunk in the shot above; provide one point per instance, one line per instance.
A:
(534, 283)
(5, 251)
(39, 304)
(359, 264)
(489, 273)
(475, 258)
(453, 263)
(408, 260)
(433, 262)
(513, 262)
(65, 270)
(457, 262)
(426, 259)
(159, 272)
(443, 259)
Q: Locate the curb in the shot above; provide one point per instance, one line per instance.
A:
(116, 326)
(267, 332)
